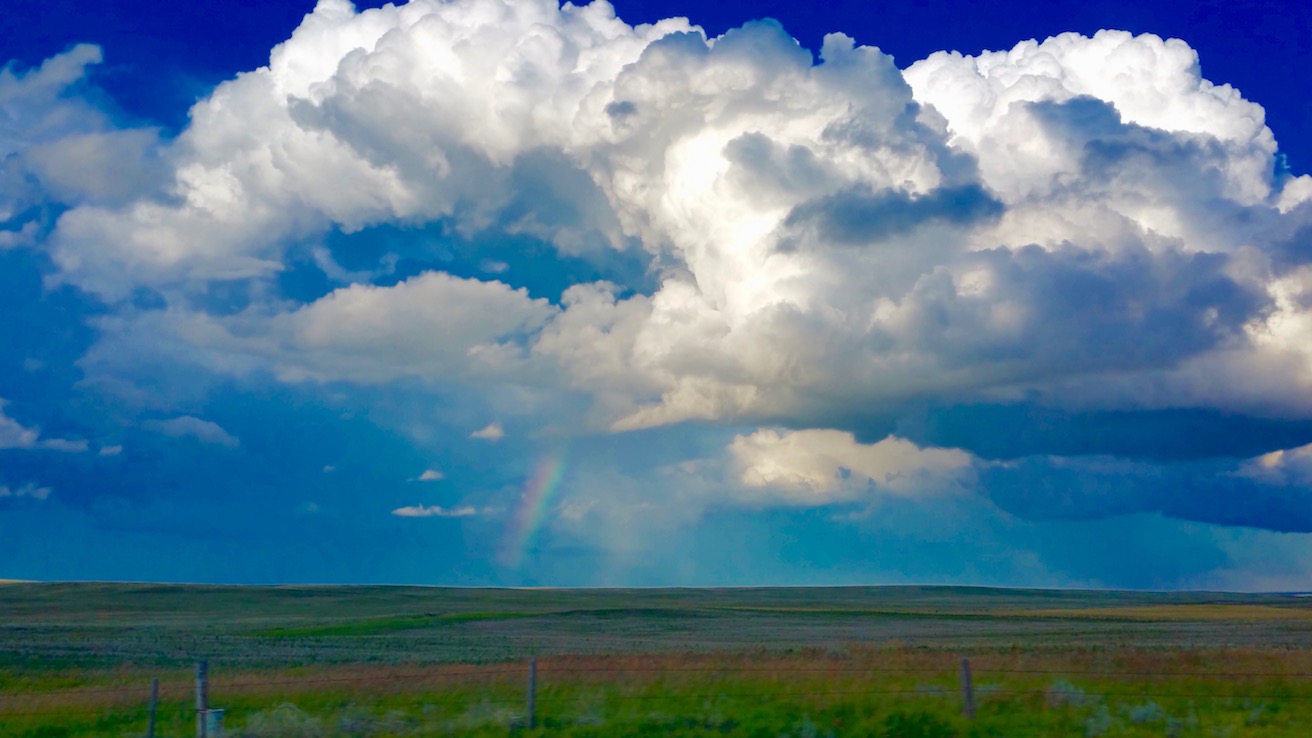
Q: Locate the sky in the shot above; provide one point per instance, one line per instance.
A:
(660, 293)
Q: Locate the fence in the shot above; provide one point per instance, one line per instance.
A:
(550, 688)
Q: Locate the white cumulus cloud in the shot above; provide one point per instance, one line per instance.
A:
(431, 326)
(59, 146)
(188, 426)
(489, 432)
(823, 466)
(1081, 222)
(435, 511)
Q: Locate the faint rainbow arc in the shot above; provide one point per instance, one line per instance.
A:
(535, 501)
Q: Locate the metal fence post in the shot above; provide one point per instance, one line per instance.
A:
(154, 702)
(967, 690)
(202, 696)
(532, 691)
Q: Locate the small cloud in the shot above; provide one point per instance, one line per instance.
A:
(435, 511)
(27, 490)
(188, 426)
(492, 432)
(15, 435)
(308, 508)
(111, 450)
(431, 475)
(24, 236)
(492, 266)
(1283, 467)
(329, 469)
(63, 444)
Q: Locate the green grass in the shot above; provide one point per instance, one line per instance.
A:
(391, 625)
(755, 695)
(76, 660)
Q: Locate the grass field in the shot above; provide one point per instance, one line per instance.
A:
(77, 660)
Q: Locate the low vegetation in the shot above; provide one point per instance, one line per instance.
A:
(77, 660)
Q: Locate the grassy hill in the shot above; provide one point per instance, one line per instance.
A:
(85, 624)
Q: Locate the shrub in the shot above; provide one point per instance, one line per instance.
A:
(916, 725)
(1062, 693)
(1148, 712)
(283, 721)
(1099, 722)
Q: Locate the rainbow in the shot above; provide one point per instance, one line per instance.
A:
(531, 513)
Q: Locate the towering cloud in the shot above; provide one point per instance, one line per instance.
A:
(999, 272)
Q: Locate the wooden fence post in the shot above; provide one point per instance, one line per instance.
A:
(202, 696)
(532, 692)
(154, 702)
(967, 690)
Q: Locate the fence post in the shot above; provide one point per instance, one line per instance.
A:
(154, 702)
(202, 696)
(967, 690)
(532, 691)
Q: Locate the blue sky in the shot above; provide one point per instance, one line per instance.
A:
(490, 293)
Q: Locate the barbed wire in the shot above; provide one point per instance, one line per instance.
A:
(242, 684)
(551, 669)
(480, 676)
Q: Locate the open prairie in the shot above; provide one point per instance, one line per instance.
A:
(77, 660)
